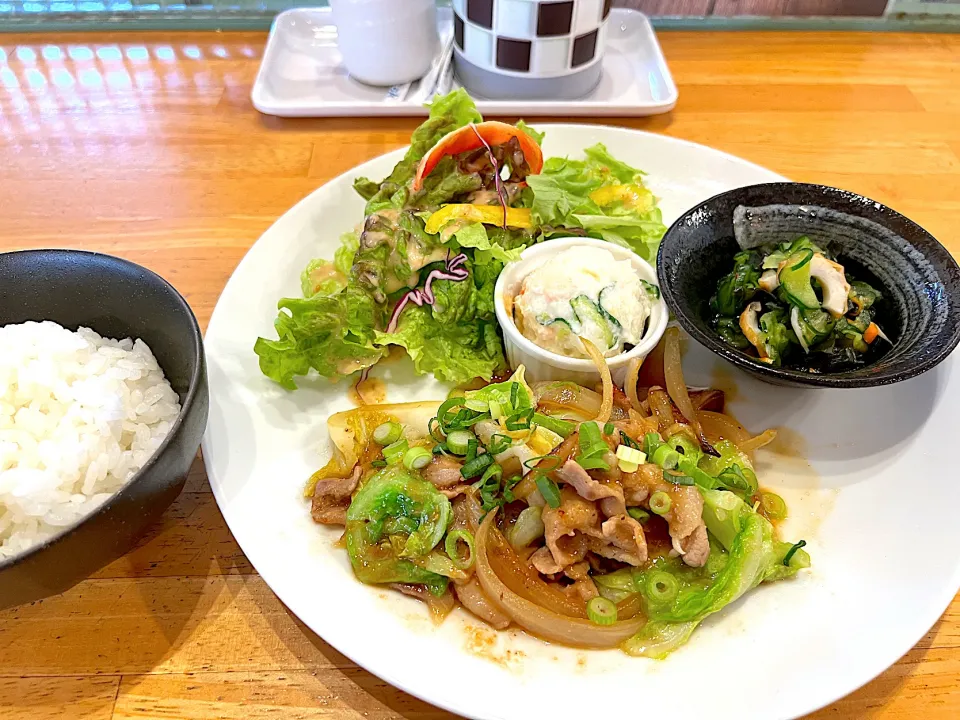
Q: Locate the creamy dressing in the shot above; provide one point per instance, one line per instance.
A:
(583, 292)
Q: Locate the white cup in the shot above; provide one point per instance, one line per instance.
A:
(386, 42)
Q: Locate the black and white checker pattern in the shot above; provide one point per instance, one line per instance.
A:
(531, 38)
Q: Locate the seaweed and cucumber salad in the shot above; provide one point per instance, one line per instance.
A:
(793, 305)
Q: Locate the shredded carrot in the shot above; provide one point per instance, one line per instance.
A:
(870, 334)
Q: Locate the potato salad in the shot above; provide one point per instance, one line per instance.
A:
(584, 292)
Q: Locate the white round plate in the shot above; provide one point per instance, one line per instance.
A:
(878, 506)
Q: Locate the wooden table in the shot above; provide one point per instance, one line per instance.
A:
(147, 146)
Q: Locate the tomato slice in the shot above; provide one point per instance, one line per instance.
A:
(467, 138)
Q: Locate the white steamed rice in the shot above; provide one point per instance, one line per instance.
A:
(79, 415)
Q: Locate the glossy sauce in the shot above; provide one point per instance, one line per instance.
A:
(371, 391)
(657, 535)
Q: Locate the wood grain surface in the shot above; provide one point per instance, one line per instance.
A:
(147, 146)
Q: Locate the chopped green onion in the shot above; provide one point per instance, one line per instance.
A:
(548, 488)
(677, 478)
(660, 503)
(499, 443)
(472, 447)
(433, 427)
(563, 428)
(662, 587)
(592, 447)
(462, 419)
(589, 436)
(451, 545)
(417, 458)
(773, 506)
(608, 429)
(496, 410)
(439, 449)
(629, 441)
(378, 463)
(520, 420)
(477, 405)
(458, 441)
(445, 407)
(514, 394)
(698, 476)
(476, 466)
(489, 487)
(553, 462)
(508, 486)
(592, 462)
(631, 455)
(638, 514)
(683, 445)
(492, 471)
(790, 553)
(393, 452)
(651, 441)
(388, 432)
(739, 480)
(665, 456)
(601, 611)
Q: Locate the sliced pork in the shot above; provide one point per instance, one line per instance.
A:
(331, 498)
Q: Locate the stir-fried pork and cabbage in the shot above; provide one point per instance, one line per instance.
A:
(592, 518)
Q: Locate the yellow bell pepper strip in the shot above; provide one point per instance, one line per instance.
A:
(629, 195)
(486, 214)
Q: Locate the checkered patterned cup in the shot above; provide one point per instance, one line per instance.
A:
(530, 49)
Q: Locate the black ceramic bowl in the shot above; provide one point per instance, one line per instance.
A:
(117, 299)
(920, 281)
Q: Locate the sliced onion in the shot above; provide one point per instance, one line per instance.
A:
(562, 452)
(526, 582)
(677, 387)
(527, 528)
(758, 441)
(525, 487)
(709, 399)
(629, 607)
(474, 599)
(567, 400)
(681, 429)
(603, 414)
(795, 322)
(545, 623)
(630, 385)
(722, 427)
(661, 407)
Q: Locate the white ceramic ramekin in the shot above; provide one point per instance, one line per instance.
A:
(545, 365)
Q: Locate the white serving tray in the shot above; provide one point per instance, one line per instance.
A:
(301, 74)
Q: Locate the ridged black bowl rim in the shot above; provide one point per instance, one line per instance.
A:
(933, 250)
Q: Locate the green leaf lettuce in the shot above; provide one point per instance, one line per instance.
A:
(332, 334)
(601, 195)
(447, 113)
